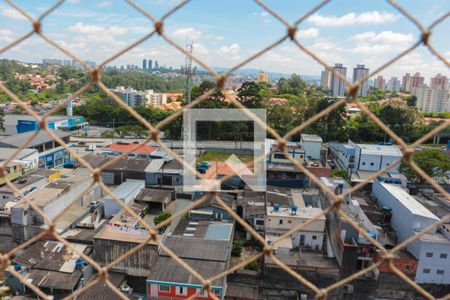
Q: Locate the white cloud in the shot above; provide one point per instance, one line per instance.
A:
(232, 50)
(187, 33)
(368, 17)
(12, 13)
(6, 35)
(200, 49)
(91, 29)
(264, 14)
(73, 1)
(308, 33)
(384, 37)
(104, 4)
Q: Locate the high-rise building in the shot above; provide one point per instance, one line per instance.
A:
(439, 81)
(393, 85)
(380, 82)
(359, 73)
(431, 99)
(325, 79)
(150, 64)
(337, 84)
(410, 82)
(156, 64)
(144, 64)
(262, 77)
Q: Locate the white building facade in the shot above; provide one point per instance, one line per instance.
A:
(409, 217)
(312, 144)
(337, 84)
(433, 100)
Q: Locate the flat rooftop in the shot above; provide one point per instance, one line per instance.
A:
(408, 201)
(373, 149)
(302, 213)
(311, 137)
(125, 188)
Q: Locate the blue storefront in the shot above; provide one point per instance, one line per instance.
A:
(56, 158)
(67, 124)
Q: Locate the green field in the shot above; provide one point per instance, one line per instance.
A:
(219, 156)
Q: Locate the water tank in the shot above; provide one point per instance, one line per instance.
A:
(17, 266)
(293, 209)
(276, 207)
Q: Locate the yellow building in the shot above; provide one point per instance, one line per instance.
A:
(262, 77)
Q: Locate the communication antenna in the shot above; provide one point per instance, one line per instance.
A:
(188, 72)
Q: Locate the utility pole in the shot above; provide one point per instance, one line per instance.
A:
(113, 131)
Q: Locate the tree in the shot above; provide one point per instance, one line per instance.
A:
(238, 246)
(249, 94)
(338, 173)
(293, 85)
(434, 162)
(161, 217)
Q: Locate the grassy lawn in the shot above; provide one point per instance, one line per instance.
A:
(219, 156)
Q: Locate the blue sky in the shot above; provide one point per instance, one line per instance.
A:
(226, 32)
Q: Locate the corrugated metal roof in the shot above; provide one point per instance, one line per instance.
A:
(168, 270)
(242, 291)
(101, 290)
(42, 137)
(198, 248)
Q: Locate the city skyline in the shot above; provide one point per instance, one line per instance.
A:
(349, 33)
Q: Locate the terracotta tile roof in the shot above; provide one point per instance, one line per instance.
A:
(125, 147)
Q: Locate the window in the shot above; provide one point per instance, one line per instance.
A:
(443, 255)
(259, 222)
(164, 288)
(426, 271)
(216, 292)
(429, 254)
(181, 290)
(440, 272)
(364, 163)
(314, 237)
(278, 156)
(281, 222)
(371, 164)
(289, 221)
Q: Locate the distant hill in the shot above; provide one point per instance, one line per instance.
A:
(253, 72)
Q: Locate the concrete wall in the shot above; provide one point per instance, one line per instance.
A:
(434, 263)
(112, 207)
(137, 264)
(312, 149)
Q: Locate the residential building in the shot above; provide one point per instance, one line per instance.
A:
(409, 217)
(206, 247)
(361, 160)
(312, 144)
(55, 197)
(325, 79)
(262, 77)
(439, 81)
(130, 96)
(51, 155)
(393, 85)
(135, 98)
(337, 84)
(52, 267)
(23, 162)
(211, 209)
(121, 234)
(295, 150)
(144, 64)
(126, 192)
(434, 99)
(358, 74)
(410, 82)
(380, 82)
(281, 218)
(156, 99)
